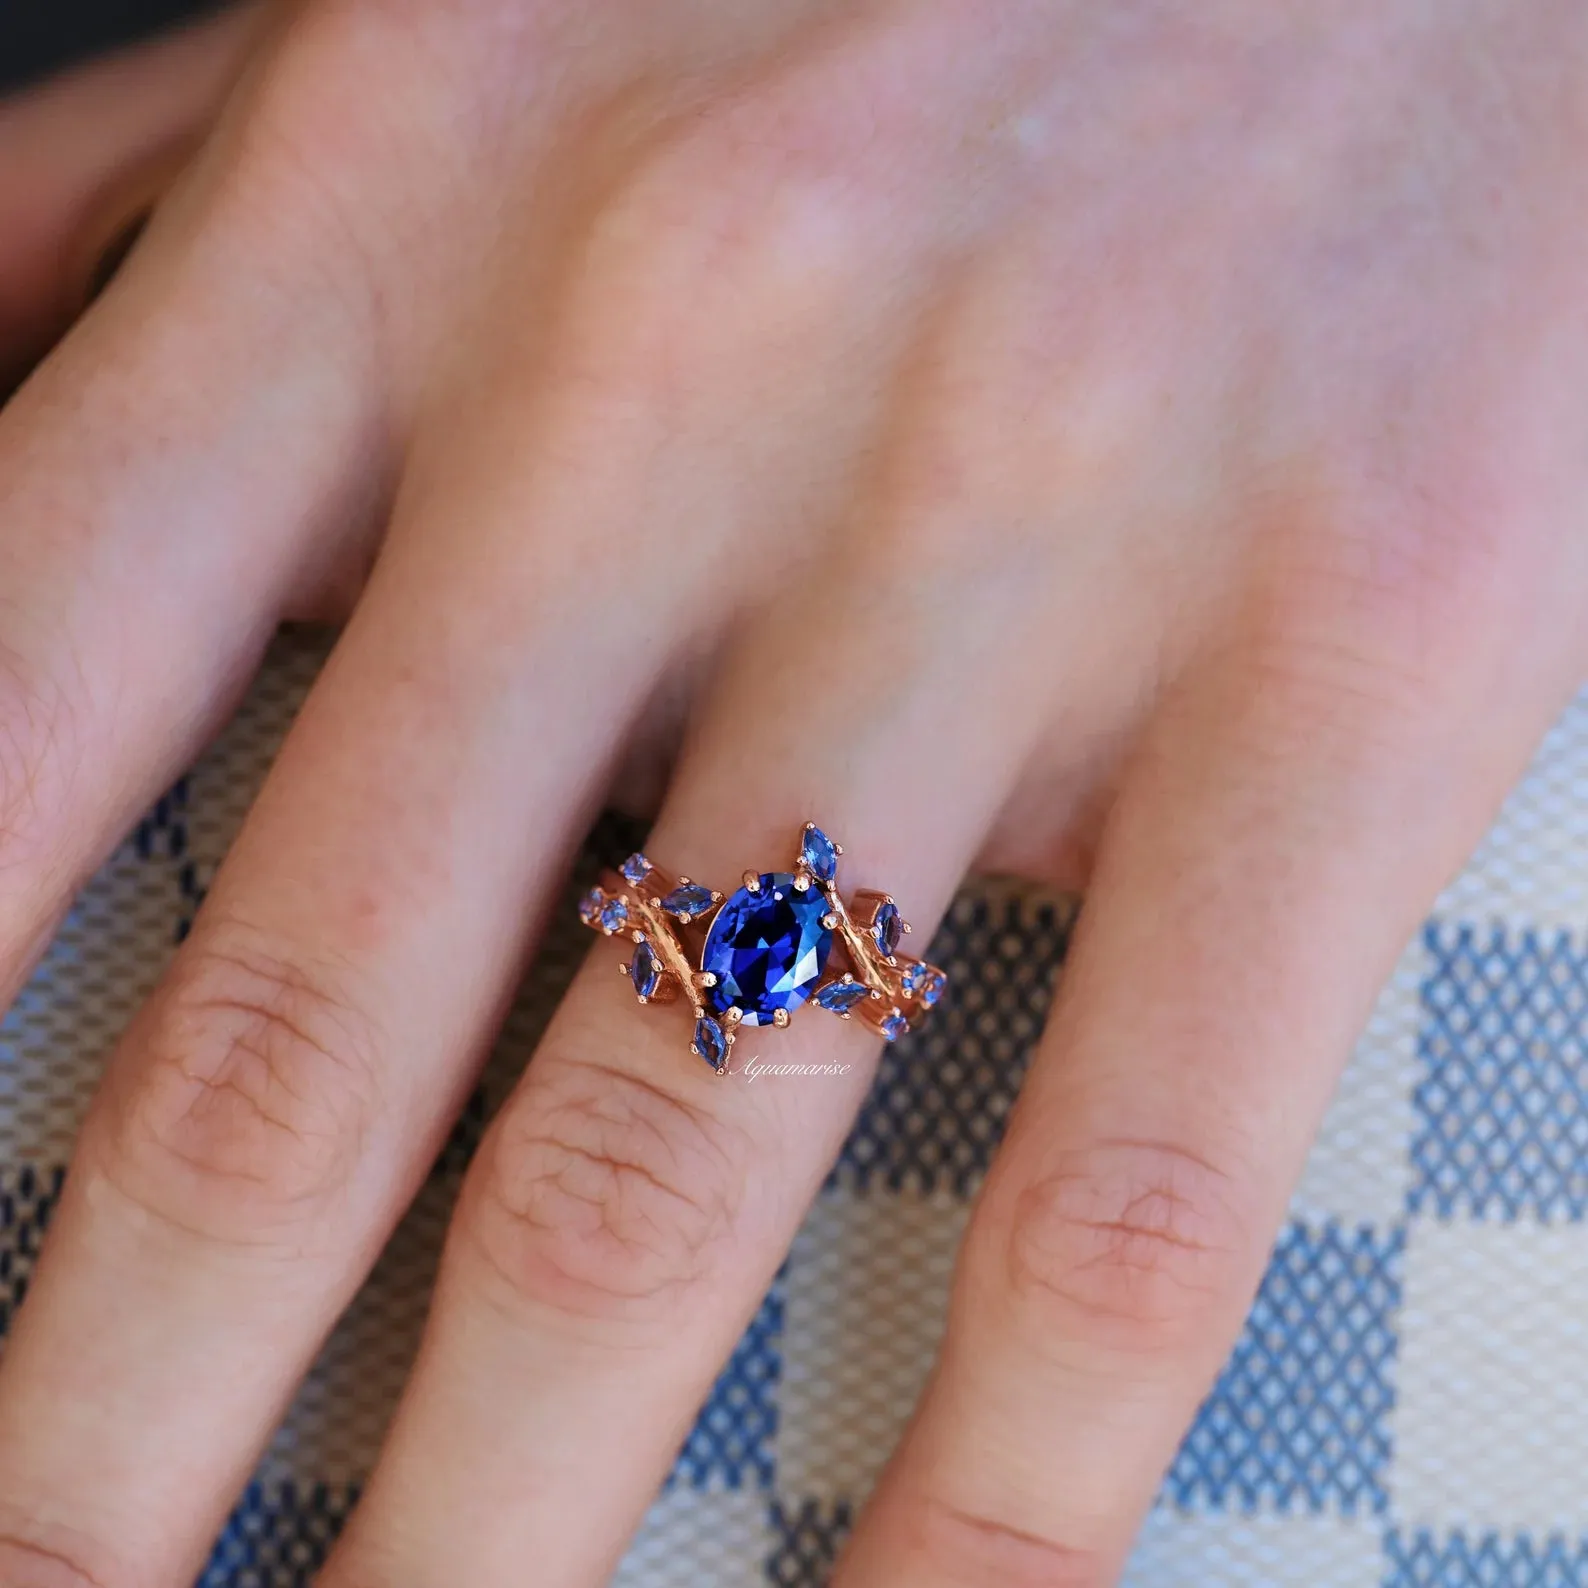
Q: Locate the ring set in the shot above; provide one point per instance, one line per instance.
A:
(752, 957)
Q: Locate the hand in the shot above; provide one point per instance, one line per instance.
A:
(1115, 446)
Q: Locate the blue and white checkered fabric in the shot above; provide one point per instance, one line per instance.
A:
(1407, 1407)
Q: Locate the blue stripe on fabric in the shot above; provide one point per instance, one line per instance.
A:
(278, 1536)
(1501, 1100)
(936, 1113)
(1300, 1417)
(733, 1440)
(1424, 1559)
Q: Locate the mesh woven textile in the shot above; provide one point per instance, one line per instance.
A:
(1406, 1405)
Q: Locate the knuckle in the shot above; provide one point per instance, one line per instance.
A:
(26, 1562)
(292, 223)
(737, 223)
(972, 1549)
(1126, 1244)
(602, 1195)
(254, 1088)
(1375, 602)
(296, 201)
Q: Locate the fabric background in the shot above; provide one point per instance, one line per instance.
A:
(1406, 1404)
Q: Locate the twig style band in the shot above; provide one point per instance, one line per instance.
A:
(753, 957)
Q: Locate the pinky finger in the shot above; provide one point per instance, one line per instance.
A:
(1252, 891)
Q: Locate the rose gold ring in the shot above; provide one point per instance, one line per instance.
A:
(752, 957)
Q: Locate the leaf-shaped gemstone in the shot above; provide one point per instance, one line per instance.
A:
(645, 969)
(840, 996)
(711, 1043)
(820, 854)
(687, 901)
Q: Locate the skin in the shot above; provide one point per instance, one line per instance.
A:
(1120, 445)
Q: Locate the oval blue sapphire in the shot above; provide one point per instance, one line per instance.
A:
(635, 869)
(894, 1027)
(614, 915)
(767, 948)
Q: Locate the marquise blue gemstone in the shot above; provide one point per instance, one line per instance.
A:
(767, 948)
(820, 854)
(635, 869)
(887, 927)
(614, 915)
(687, 901)
(711, 1042)
(645, 969)
(840, 996)
(894, 1027)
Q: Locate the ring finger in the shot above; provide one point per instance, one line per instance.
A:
(629, 1208)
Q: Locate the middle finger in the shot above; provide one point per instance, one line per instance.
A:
(628, 1210)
